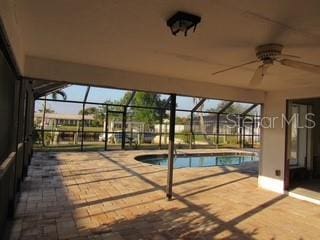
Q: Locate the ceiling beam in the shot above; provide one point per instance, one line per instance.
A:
(40, 85)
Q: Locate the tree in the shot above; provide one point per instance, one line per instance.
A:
(234, 108)
(182, 120)
(47, 109)
(149, 116)
(98, 115)
(100, 111)
(112, 116)
(55, 95)
(89, 111)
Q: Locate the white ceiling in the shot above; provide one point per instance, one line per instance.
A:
(132, 35)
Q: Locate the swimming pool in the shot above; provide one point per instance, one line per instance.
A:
(184, 161)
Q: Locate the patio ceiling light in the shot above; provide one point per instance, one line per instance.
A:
(182, 22)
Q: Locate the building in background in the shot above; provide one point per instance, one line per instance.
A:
(54, 120)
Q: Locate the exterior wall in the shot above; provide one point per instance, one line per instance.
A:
(273, 145)
(273, 139)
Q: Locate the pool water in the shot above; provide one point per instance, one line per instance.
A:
(202, 161)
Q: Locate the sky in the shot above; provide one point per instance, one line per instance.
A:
(77, 93)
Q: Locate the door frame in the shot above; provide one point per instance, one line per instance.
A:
(287, 139)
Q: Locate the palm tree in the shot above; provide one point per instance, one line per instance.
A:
(55, 95)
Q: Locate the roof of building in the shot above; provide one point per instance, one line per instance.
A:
(65, 116)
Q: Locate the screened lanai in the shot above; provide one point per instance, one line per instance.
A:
(78, 163)
(82, 118)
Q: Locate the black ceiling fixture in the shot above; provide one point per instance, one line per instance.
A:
(182, 22)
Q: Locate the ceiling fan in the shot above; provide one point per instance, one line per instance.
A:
(268, 54)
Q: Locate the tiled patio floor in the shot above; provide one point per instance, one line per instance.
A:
(109, 195)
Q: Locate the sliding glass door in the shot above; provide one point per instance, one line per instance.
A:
(299, 135)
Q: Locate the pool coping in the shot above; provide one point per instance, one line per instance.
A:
(196, 153)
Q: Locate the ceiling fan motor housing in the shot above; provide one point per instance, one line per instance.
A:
(268, 52)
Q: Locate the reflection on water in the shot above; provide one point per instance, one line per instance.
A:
(203, 161)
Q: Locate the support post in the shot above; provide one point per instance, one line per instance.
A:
(106, 130)
(19, 164)
(82, 127)
(160, 129)
(191, 130)
(195, 108)
(241, 130)
(25, 133)
(31, 126)
(252, 131)
(218, 128)
(124, 122)
(83, 109)
(171, 146)
(43, 119)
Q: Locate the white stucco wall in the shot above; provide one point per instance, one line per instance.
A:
(273, 145)
(273, 139)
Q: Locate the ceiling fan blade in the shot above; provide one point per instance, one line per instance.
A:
(288, 56)
(301, 65)
(258, 75)
(234, 67)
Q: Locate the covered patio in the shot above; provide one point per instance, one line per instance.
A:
(109, 195)
(256, 53)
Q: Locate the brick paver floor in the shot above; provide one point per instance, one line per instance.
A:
(109, 195)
